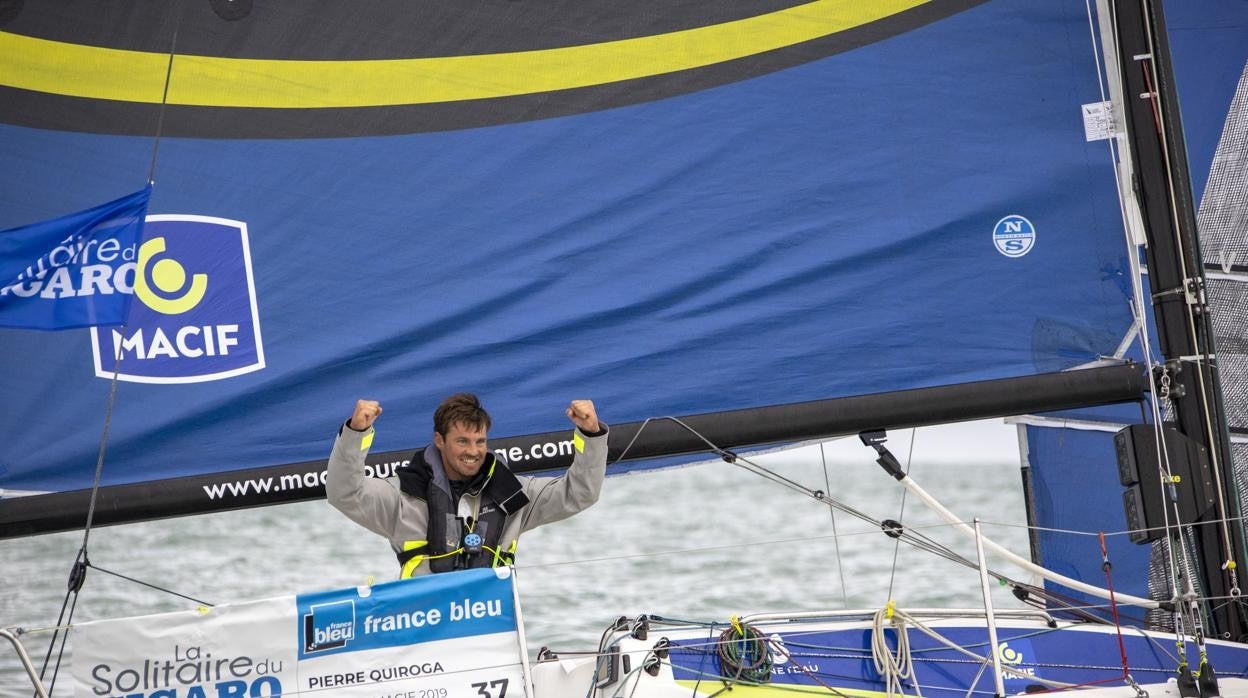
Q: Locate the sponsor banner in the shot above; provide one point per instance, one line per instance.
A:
(482, 666)
(472, 602)
(242, 649)
(444, 635)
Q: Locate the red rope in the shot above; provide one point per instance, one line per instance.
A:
(1152, 94)
(1109, 584)
(1113, 605)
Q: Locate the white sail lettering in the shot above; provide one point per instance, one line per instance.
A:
(60, 285)
(160, 346)
(123, 279)
(134, 343)
(185, 348)
(226, 338)
(95, 276)
(189, 341)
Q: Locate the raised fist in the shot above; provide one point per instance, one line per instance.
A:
(583, 415)
(366, 412)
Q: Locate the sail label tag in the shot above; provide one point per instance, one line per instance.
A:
(195, 316)
(1098, 121)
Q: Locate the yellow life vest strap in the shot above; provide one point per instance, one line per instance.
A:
(502, 557)
(412, 559)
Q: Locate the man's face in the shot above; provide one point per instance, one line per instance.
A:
(463, 450)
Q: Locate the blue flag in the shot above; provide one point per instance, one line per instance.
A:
(73, 271)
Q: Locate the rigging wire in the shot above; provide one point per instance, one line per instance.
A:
(750, 466)
(917, 540)
(78, 572)
(1124, 532)
(836, 541)
(901, 516)
(150, 585)
(164, 101)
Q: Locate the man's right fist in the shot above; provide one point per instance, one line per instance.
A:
(366, 412)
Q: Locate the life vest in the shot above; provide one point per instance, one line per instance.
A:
(499, 495)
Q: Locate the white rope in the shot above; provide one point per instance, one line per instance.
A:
(901, 619)
(893, 667)
(1020, 562)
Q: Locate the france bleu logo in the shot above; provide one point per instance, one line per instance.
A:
(328, 626)
(193, 317)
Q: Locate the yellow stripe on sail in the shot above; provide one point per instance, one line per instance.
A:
(76, 70)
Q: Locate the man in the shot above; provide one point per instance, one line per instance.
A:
(457, 505)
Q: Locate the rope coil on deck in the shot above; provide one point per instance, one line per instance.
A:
(743, 654)
(893, 667)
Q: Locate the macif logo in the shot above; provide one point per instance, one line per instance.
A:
(328, 626)
(1018, 655)
(194, 318)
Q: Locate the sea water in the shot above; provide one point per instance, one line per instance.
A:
(702, 542)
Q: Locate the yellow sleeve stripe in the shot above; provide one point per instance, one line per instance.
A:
(578, 442)
(368, 440)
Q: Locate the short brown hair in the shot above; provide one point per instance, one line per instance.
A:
(460, 408)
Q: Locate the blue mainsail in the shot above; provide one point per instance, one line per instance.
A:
(903, 202)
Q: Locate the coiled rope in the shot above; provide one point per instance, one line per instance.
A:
(743, 654)
(892, 666)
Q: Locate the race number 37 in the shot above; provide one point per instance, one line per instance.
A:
(492, 689)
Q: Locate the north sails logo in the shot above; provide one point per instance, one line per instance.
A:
(194, 317)
(1014, 235)
(328, 626)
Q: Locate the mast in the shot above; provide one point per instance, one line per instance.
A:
(1159, 185)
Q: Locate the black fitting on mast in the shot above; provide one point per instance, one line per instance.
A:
(875, 439)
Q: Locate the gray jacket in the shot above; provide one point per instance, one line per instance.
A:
(382, 508)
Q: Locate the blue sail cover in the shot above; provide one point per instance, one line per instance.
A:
(835, 200)
(1074, 482)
